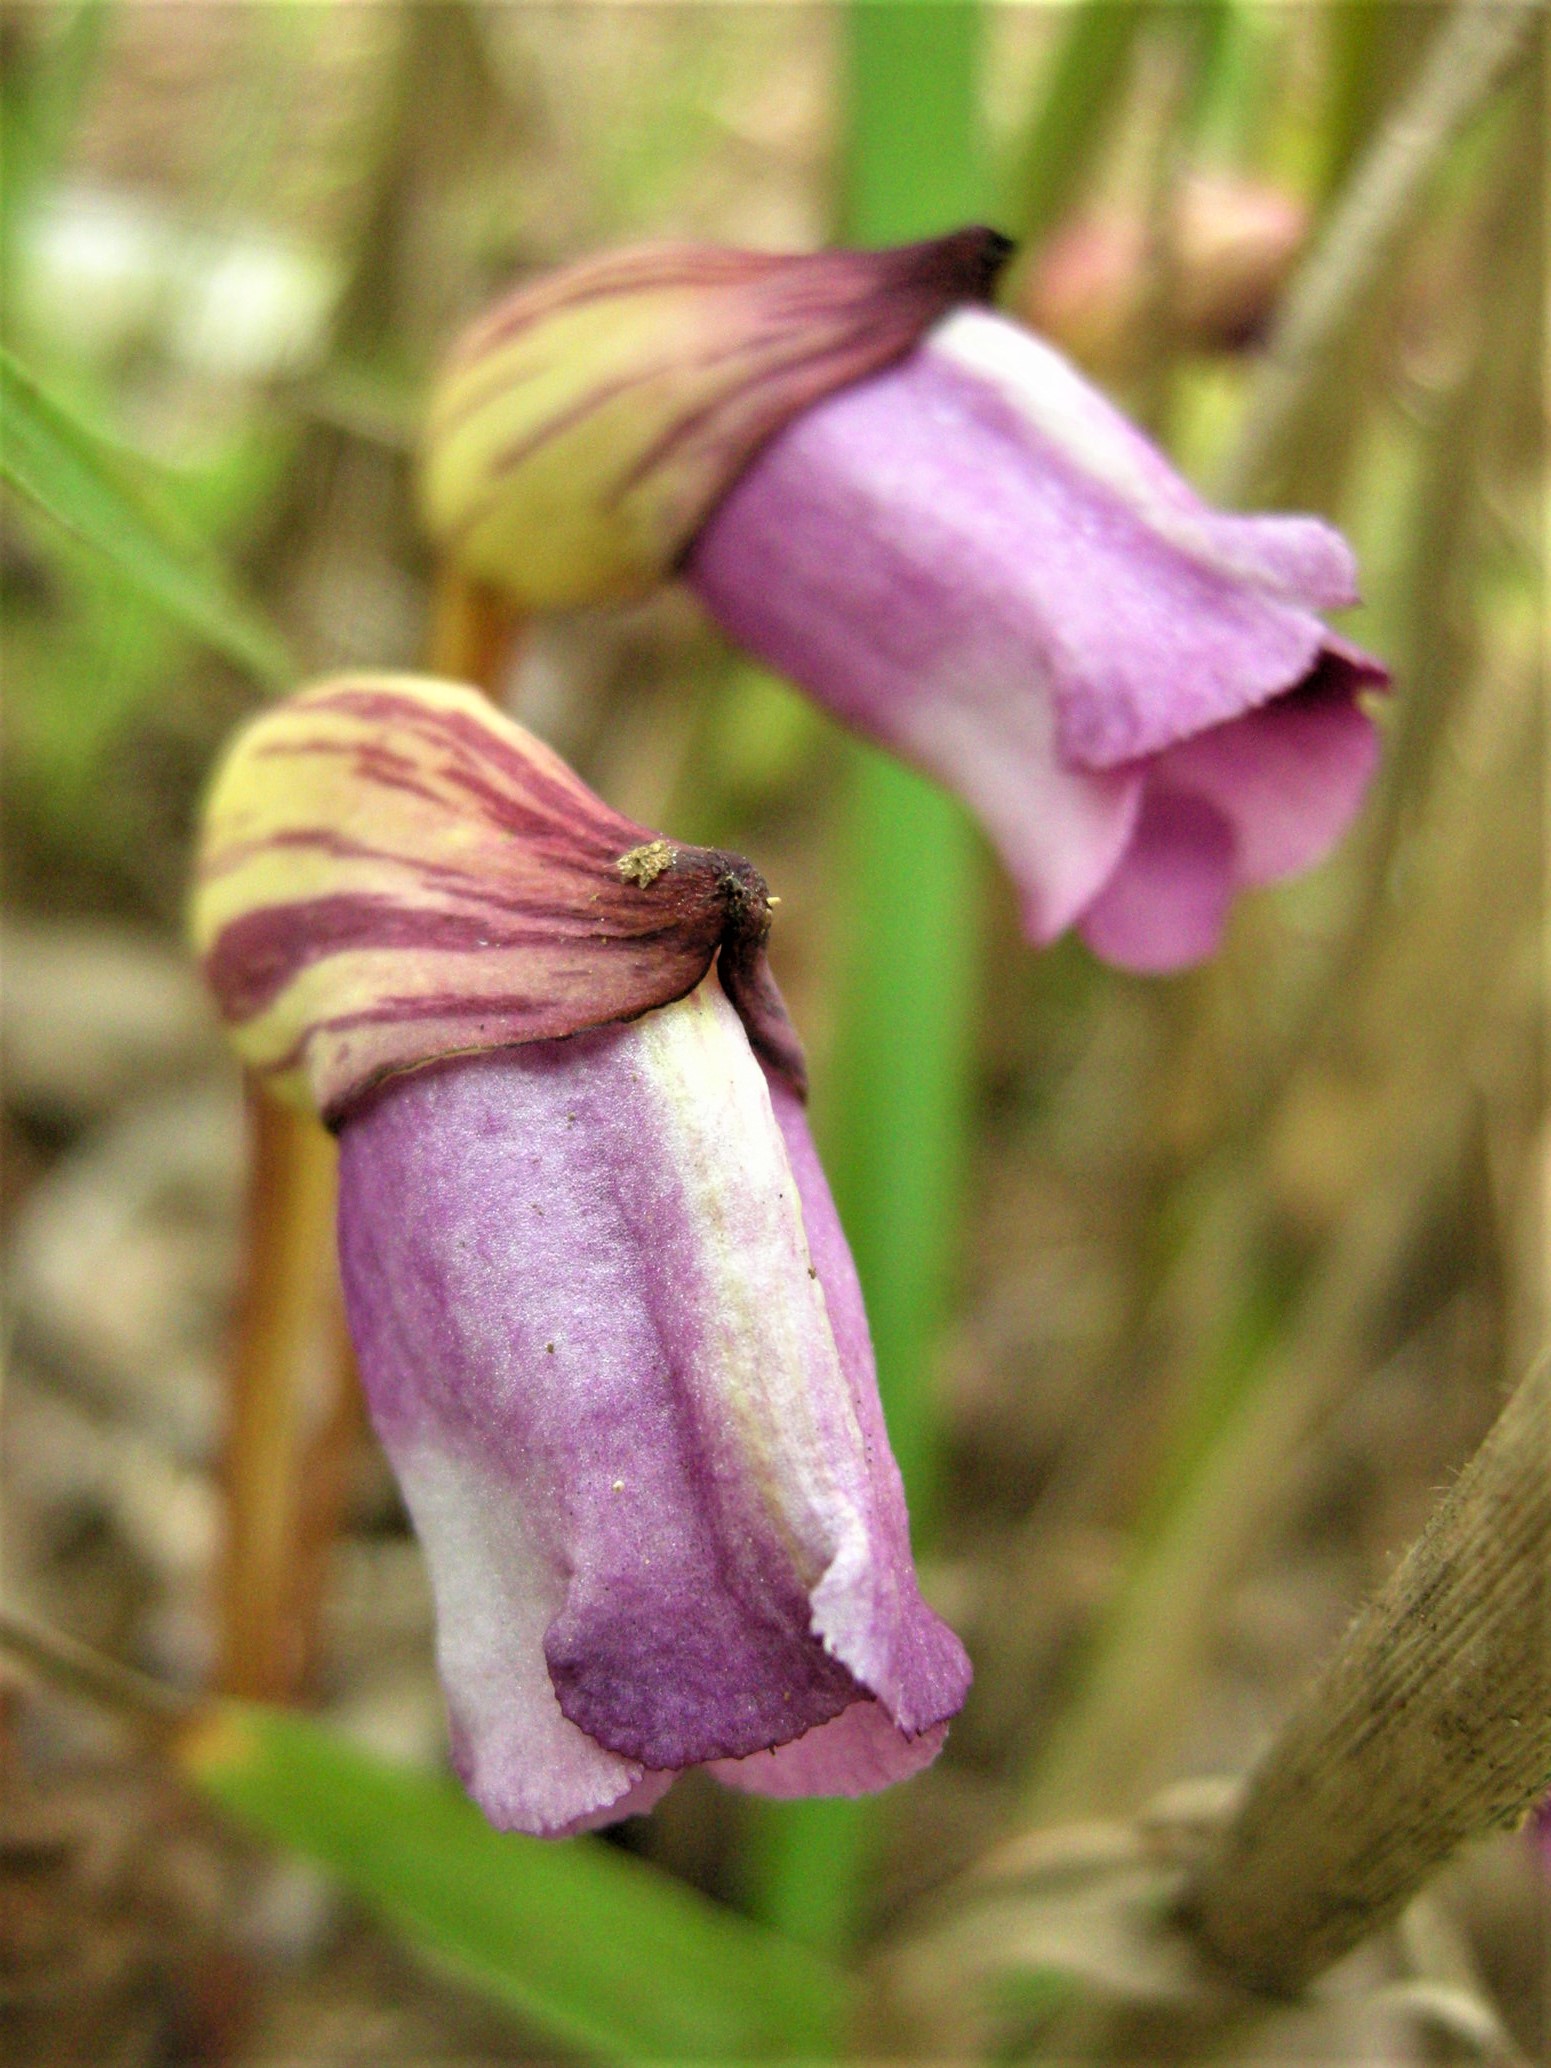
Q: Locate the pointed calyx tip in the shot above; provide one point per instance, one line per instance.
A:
(585, 428)
(391, 872)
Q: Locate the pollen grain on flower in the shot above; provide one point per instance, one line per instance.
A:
(643, 865)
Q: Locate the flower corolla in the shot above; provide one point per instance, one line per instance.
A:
(608, 1327)
(951, 540)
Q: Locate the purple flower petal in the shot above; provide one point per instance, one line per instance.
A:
(1289, 778)
(975, 559)
(1166, 905)
(879, 552)
(493, 1576)
(868, 1609)
(856, 1753)
(1064, 420)
(643, 1454)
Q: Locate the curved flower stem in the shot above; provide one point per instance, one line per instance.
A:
(1469, 55)
(892, 1118)
(286, 1375)
(294, 1401)
(473, 631)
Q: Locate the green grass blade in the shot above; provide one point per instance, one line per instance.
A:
(42, 93)
(1079, 100)
(103, 496)
(891, 1116)
(593, 1947)
(893, 1120)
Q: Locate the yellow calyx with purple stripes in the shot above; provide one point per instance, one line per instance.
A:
(587, 426)
(391, 872)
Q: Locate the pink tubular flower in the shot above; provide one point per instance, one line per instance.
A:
(608, 1326)
(615, 1347)
(930, 521)
(974, 559)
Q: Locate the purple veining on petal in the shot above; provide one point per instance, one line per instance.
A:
(582, 432)
(558, 1362)
(258, 954)
(356, 920)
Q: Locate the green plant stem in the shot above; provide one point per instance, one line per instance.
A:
(893, 1122)
(1076, 111)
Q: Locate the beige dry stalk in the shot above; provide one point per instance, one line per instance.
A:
(38, 1651)
(1112, 1745)
(1109, 1748)
(1430, 1725)
(1469, 57)
(286, 1373)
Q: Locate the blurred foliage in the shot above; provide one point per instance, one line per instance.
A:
(1247, 1256)
(104, 498)
(590, 1945)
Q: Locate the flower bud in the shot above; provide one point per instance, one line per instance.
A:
(586, 427)
(1235, 243)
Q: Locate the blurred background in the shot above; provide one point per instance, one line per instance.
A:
(236, 239)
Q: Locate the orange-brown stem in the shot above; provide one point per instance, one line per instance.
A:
(285, 1381)
(326, 1476)
(294, 1405)
(473, 631)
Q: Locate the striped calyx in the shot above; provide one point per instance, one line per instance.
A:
(586, 427)
(391, 872)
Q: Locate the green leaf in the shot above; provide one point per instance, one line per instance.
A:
(894, 1138)
(592, 1946)
(105, 496)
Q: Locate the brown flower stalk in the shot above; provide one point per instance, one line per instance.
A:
(289, 1370)
(1431, 1725)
